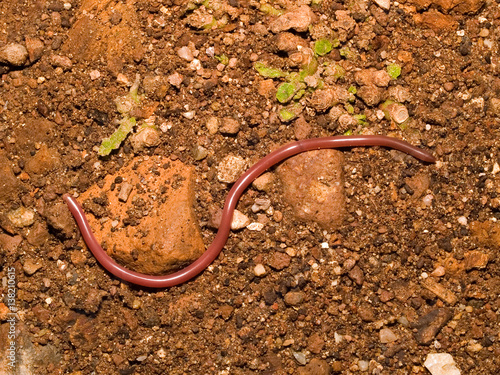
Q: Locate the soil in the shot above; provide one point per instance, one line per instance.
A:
(412, 270)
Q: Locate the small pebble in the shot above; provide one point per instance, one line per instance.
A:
(185, 53)
(230, 168)
(300, 357)
(259, 270)
(125, 191)
(387, 336)
(240, 220)
(441, 364)
(30, 267)
(255, 226)
(14, 54)
(22, 217)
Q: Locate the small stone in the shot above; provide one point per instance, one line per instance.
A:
(125, 190)
(429, 325)
(146, 137)
(289, 42)
(175, 79)
(370, 94)
(387, 336)
(475, 259)
(30, 266)
(60, 219)
(9, 244)
(212, 125)
(298, 19)
(13, 54)
(34, 46)
(435, 20)
(323, 99)
(4, 312)
(397, 112)
(439, 271)
(440, 291)
(240, 220)
(255, 226)
(300, 357)
(384, 4)
(259, 270)
(357, 275)
(315, 343)
(226, 312)
(441, 364)
(279, 261)
(230, 168)
(22, 217)
(313, 186)
(185, 53)
(261, 205)
(266, 88)
(264, 182)
(199, 153)
(294, 298)
(154, 236)
(229, 126)
(61, 61)
(301, 128)
(386, 296)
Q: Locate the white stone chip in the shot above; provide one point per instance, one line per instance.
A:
(441, 364)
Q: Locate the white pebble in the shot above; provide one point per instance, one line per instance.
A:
(428, 199)
(441, 364)
(259, 270)
(255, 226)
(185, 53)
(94, 74)
(240, 220)
(387, 336)
(363, 365)
(230, 168)
(462, 220)
(384, 4)
(189, 115)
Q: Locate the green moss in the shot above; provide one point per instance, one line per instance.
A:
(394, 70)
(286, 91)
(286, 114)
(268, 72)
(116, 139)
(269, 9)
(223, 59)
(322, 47)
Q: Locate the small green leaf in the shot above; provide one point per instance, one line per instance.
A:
(286, 114)
(268, 72)
(116, 139)
(348, 132)
(285, 92)
(352, 90)
(223, 59)
(361, 119)
(309, 69)
(269, 9)
(394, 70)
(322, 47)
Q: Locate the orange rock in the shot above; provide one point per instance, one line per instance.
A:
(487, 233)
(45, 160)
(313, 185)
(435, 20)
(155, 230)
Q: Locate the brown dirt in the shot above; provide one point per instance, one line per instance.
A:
(417, 253)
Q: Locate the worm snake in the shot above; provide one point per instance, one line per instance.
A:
(238, 188)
